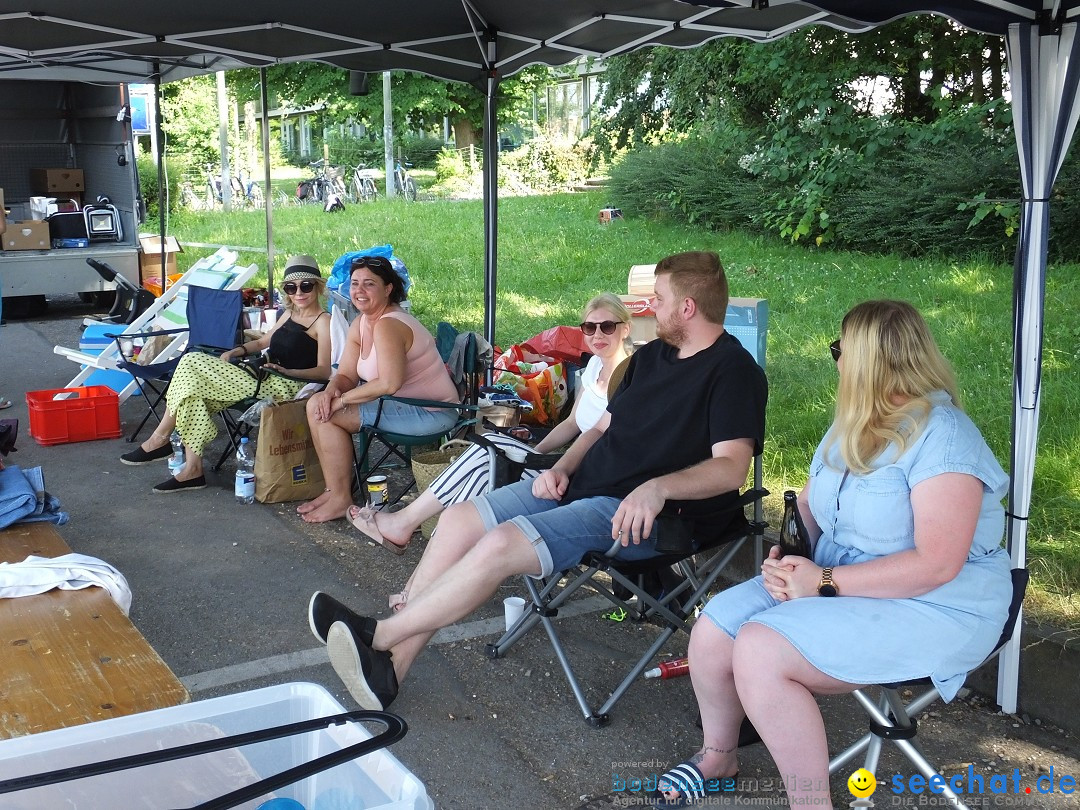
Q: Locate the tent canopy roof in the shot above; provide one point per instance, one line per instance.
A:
(116, 40)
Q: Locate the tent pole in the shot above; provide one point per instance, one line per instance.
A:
(268, 197)
(160, 136)
(491, 191)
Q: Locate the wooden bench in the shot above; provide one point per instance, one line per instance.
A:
(71, 657)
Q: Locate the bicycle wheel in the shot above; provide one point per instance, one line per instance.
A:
(255, 195)
(368, 190)
(410, 189)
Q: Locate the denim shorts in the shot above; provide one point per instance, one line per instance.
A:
(561, 535)
(412, 420)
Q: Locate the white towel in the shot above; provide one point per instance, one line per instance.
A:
(69, 572)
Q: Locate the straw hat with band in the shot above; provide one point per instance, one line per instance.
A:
(301, 267)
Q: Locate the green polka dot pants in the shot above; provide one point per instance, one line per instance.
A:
(204, 385)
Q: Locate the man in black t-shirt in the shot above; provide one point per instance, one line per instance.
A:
(678, 438)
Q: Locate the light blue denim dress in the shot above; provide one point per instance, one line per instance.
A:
(943, 633)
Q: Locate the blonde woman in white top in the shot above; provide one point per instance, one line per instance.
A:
(606, 325)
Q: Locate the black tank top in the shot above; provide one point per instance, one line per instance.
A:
(292, 347)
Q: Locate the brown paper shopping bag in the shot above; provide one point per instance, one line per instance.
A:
(286, 464)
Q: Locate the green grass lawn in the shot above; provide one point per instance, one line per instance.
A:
(554, 255)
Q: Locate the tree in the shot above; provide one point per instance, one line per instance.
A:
(420, 101)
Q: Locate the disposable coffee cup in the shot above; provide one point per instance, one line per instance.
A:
(513, 609)
(516, 454)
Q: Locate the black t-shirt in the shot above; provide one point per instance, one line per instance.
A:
(666, 416)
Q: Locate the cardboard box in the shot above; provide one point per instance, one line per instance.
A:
(608, 214)
(33, 234)
(150, 257)
(642, 317)
(49, 181)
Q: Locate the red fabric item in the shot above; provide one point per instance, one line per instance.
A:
(562, 343)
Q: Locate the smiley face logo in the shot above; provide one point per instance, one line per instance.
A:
(861, 783)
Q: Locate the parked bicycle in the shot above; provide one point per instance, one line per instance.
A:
(327, 180)
(247, 192)
(362, 186)
(189, 199)
(404, 185)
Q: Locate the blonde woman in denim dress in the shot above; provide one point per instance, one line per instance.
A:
(908, 576)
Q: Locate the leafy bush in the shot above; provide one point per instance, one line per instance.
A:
(148, 182)
(421, 151)
(934, 197)
(545, 164)
(694, 180)
(950, 190)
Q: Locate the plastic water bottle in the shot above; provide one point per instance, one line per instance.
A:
(244, 488)
(176, 460)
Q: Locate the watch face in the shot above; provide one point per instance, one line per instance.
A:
(826, 590)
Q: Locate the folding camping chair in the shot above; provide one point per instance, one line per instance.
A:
(237, 428)
(214, 324)
(892, 719)
(218, 271)
(399, 446)
(699, 569)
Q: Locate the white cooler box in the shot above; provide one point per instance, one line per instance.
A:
(377, 780)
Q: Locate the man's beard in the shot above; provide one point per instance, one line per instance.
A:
(672, 331)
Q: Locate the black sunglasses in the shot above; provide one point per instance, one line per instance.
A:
(607, 327)
(290, 287)
(834, 347)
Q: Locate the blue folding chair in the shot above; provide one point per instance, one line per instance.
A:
(214, 324)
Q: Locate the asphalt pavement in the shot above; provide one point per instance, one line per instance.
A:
(221, 590)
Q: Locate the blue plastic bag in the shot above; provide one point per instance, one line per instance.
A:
(339, 275)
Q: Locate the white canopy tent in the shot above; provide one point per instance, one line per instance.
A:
(483, 41)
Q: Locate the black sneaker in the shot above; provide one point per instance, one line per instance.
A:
(368, 674)
(324, 610)
(139, 456)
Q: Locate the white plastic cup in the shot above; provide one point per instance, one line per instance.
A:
(516, 454)
(513, 609)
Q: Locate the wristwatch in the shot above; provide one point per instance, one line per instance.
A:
(827, 587)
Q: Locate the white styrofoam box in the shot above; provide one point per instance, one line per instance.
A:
(378, 780)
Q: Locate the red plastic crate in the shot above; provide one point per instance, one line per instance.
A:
(92, 412)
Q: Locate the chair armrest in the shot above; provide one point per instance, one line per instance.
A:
(132, 335)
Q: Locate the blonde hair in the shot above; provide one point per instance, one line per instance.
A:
(320, 292)
(609, 301)
(613, 304)
(889, 366)
(698, 274)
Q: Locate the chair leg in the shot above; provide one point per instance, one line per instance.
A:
(893, 720)
(151, 407)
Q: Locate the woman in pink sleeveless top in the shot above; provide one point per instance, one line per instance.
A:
(388, 352)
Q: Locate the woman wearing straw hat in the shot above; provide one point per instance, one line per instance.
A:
(203, 385)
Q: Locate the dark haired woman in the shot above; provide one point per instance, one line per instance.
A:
(387, 352)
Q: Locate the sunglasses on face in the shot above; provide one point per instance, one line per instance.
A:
(607, 327)
(834, 347)
(290, 287)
